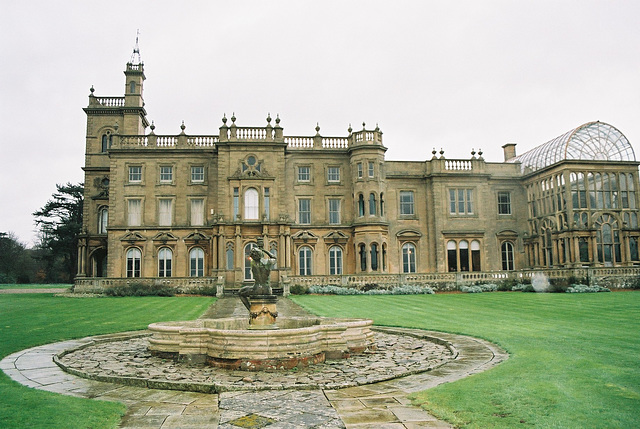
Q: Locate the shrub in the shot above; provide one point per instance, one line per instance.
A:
(586, 289)
(139, 289)
(204, 291)
(523, 288)
(299, 290)
(488, 287)
(396, 290)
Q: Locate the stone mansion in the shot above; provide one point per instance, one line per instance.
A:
(185, 210)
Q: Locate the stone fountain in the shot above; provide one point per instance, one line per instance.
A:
(262, 341)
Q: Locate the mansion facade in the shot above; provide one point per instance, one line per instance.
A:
(184, 209)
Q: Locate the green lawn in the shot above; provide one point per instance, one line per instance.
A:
(34, 286)
(35, 319)
(575, 358)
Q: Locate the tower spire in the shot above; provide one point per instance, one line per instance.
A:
(135, 56)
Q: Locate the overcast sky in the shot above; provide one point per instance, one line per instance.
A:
(455, 75)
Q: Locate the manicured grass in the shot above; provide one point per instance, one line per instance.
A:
(575, 358)
(36, 319)
(34, 286)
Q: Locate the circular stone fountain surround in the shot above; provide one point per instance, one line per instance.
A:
(232, 343)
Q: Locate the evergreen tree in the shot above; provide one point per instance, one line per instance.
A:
(60, 224)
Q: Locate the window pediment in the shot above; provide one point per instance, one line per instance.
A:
(133, 237)
(336, 237)
(196, 237)
(165, 237)
(305, 237)
(409, 234)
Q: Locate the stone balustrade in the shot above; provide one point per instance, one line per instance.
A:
(611, 277)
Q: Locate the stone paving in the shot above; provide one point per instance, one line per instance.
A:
(378, 405)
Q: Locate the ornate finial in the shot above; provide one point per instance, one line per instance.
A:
(224, 119)
(434, 151)
(473, 153)
(135, 56)
(377, 128)
(480, 152)
(350, 129)
(153, 126)
(441, 152)
(233, 117)
(91, 89)
(182, 127)
(116, 126)
(363, 125)
(277, 118)
(269, 118)
(317, 127)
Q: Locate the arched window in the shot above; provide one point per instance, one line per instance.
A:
(196, 262)
(107, 140)
(132, 87)
(372, 204)
(452, 255)
(134, 256)
(408, 258)
(608, 240)
(103, 218)
(229, 255)
(384, 257)
(335, 261)
(463, 248)
(475, 255)
(274, 251)
(507, 256)
(251, 204)
(374, 257)
(360, 205)
(165, 256)
(248, 275)
(363, 257)
(304, 261)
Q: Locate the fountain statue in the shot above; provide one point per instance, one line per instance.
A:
(259, 298)
(260, 344)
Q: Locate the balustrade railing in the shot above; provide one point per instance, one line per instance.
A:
(202, 141)
(253, 133)
(612, 277)
(335, 142)
(110, 101)
(294, 142)
(458, 165)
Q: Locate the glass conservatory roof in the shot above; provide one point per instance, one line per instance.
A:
(591, 141)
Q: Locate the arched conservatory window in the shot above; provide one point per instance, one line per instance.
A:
(507, 256)
(304, 261)
(335, 261)
(608, 240)
(251, 204)
(165, 256)
(196, 262)
(408, 258)
(107, 140)
(134, 256)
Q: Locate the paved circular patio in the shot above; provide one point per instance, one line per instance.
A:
(260, 399)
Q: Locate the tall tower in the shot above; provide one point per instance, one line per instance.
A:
(108, 118)
(134, 113)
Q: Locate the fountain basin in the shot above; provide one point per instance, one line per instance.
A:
(231, 343)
